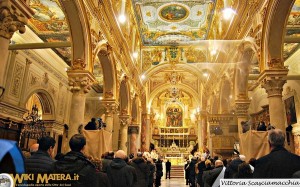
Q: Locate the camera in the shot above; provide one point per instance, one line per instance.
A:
(101, 123)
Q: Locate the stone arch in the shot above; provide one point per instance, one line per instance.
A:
(80, 34)
(104, 53)
(163, 87)
(273, 34)
(46, 101)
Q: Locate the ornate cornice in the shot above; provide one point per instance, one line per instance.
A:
(241, 107)
(276, 63)
(273, 81)
(80, 80)
(14, 16)
(11, 111)
(124, 120)
(111, 106)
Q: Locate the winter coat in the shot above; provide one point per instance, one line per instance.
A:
(232, 169)
(278, 164)
(120, 174)
(76, 163)
(39, 163)
(142, 171)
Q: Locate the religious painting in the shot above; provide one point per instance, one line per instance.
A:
(290, 110)
(174, 116)
(174, 13)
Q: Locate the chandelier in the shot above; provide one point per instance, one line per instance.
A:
(34, 127)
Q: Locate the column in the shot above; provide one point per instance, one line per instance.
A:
(14, 16)
(145, 140)
(199, 132)
(273, 81)
(204, 128)
(133, 130)
(124, 121)
(241, 106)
(79, 82)
(111, 106)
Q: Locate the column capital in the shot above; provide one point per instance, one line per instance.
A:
(133, 129)
(242, 106)
(111, 105)
(14, 16)
(273, 81)
(80, 80)
(124, 119)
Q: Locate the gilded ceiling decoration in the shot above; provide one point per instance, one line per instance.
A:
(292, 30)
(173, 22)
(49, 23)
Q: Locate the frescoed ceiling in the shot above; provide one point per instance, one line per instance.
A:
(49, 23)
(292, 30)
(173, 22)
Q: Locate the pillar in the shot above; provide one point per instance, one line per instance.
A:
(145, 140)
(241, 106)
(273, 80)
(133, 130)
(124, 121)
(199, 132)
(204, 128)
(80, 82)
(14, 16)
(111, 108)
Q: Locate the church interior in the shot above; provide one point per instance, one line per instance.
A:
(173, 75)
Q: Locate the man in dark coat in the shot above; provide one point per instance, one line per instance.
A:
(119, 173)
(91, 125)
(187, 172)
(142, 170)
(232, 169)
(168, 169)
(76, 163)
(279, 163)
(209, 177)
(192, 177)
(159, 172)
(41, 162)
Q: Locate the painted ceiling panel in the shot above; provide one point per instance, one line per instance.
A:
(173, 22)
(49, 23)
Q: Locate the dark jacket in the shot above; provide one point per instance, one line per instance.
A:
(232, 169)
(279, 163)
(201, 167)
(187, 170)
(120, 174)
(192, 170)
(76, 163)
(151, 174)
(103, 180)
(142, 171)
(39, 162)
(210, 176)
(168, 165)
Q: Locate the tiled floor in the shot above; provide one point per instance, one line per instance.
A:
(173, 183)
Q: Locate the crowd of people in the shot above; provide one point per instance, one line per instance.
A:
(279, 163)
(116, 169)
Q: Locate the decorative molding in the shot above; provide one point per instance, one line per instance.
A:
(110, 105)
(78, 64)
(276, 63)
(17, 80)
(124, 120)
(11, 111)
(273, 81)
(80, 80)
(49, 69)
(241, 107)
(14, 16)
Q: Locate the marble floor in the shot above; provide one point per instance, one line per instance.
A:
(173, 183)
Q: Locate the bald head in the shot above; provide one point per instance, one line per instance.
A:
(34, 148)
(218, 163)
(276, 138)
(120, 154)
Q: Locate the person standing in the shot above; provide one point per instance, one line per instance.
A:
(91, 125)
(41, 161)
(119, 173)
(279, 163)
(168, 169)
(187, 172)
(75, 162)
